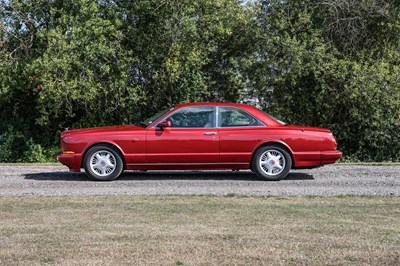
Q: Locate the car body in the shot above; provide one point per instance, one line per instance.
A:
(199, 136)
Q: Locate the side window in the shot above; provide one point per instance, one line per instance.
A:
(193, 117)
(234, 117)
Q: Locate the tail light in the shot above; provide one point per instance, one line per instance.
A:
(334, 141)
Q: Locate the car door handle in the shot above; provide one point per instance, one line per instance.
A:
(210, 133)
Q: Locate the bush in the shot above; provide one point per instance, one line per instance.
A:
(13, 145)
(34, 154)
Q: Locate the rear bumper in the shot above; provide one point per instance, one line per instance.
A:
(315, 158)
(329, 157)
(72, 161)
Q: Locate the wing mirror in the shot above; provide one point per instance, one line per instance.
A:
(165, 124)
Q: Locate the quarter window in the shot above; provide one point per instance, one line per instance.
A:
(193, 117)
(234, 117)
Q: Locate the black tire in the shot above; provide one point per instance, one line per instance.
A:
(270, 171)
(106, 169)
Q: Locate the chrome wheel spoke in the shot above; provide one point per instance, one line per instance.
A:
(272, 162)
(97, 169)
(270, 169)
(103, 163)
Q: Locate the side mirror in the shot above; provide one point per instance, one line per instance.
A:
(165, 124)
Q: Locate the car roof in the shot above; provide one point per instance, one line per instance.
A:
(254, 111)
(245, 107)
(212, 104)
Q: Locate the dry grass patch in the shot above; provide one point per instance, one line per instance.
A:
(201, 230)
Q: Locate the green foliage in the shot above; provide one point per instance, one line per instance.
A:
(35, 153)
(15, 146)
(12, 145)
(313, 75)
(87, 63)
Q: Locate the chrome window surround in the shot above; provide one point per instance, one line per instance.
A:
(262, 123)
(216, 118)
(215, 112)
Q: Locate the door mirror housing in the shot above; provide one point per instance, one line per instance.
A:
(165, 124)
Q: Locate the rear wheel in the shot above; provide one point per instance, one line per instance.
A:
(271, 163)
(103, 163)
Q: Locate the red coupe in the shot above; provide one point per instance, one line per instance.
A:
(199, 136)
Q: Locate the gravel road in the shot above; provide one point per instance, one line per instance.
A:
(53, 180)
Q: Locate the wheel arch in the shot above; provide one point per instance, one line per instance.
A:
(103, 143)
(274, 143)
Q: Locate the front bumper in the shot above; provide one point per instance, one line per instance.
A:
(72, 161)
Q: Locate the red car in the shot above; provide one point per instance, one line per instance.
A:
(199, 136)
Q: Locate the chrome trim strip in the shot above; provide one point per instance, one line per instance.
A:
(244, 126)
(187, 163)
(216, 115)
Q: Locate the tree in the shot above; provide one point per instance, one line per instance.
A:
(310, 75)
(89, 63)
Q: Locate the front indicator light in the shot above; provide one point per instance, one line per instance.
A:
(69, 152)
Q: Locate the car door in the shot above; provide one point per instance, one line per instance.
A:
(239, 132)
(192, 137)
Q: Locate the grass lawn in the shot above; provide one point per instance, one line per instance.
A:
(199, 230)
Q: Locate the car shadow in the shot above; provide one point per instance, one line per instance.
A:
(57, 176)
(299, 176)
(164, 175)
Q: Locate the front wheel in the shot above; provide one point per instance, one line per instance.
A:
(272, 163)
(103, 163)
